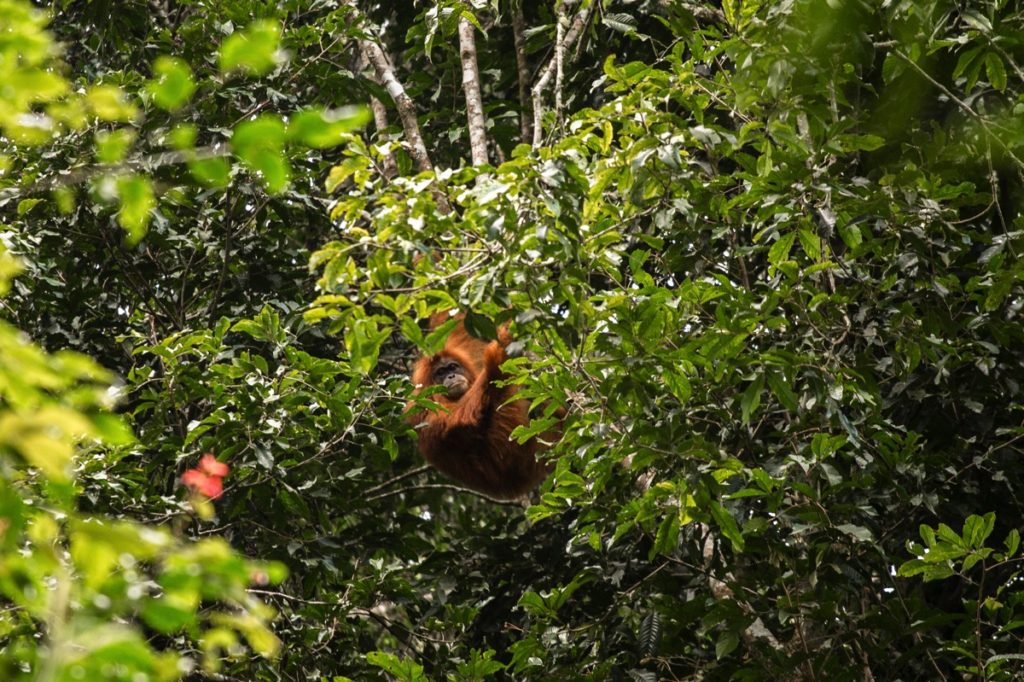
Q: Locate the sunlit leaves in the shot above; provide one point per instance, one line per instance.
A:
(266, 326)
(25, 50)
(25, 39)
(363, 342)
(321, 129)
(946, 553)
(135, 194)
(779, 251)
(112, 146)
(254, 50)
(50, 406)
(172, 85)
(9, 269)
(405, 670)
(102, 647)
(260, 144)
(110, 103)
(213, 172)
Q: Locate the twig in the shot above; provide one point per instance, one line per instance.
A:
(443, 486)
(401, 477)
(960, 103)
(700, 13)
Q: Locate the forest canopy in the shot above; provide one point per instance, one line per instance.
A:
(758, 263)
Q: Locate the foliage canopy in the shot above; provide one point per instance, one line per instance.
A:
(765, 255)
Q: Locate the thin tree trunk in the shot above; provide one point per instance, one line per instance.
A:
(560, 22)
(406, 107)
(374, 54)
(523, 67)
(474, 100)
(571, 36)
(380, 120)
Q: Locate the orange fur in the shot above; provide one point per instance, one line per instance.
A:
(469, 442)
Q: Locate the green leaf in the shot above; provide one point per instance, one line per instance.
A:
(678, 383)
(726, 644)
(260, 145)
(26, 205)
(215, 172)
(172, 611)
(435, 339)
(751, 399)
(403, 670)
(929, 571)
(137, 200)
(851, 235)
(996, 70)
(254, 50)
(322, 129)
(781, 389)
(183, 136)
(978, 528)
(621, 22)
(779, 251)
(363, 341)
(345, 170)
(112, 146)
(668, 535)
(727, 524)
(927, 534)
(480, 326)
(868, 143)
(110, 103)
(811, 243)
(1012, 542)
(173, 86)
(112, 429)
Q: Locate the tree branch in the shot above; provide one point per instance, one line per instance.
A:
(721, 591)
(984, 122)
(403, 103)
(84, 174)
(571, 36)
(444, 486)
(374, 54)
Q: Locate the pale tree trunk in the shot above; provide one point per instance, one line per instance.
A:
(560, 22)
(380, 120)
(406, 107)
(523, 68)
(471, 87)
(569, 39)
(375, 56)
